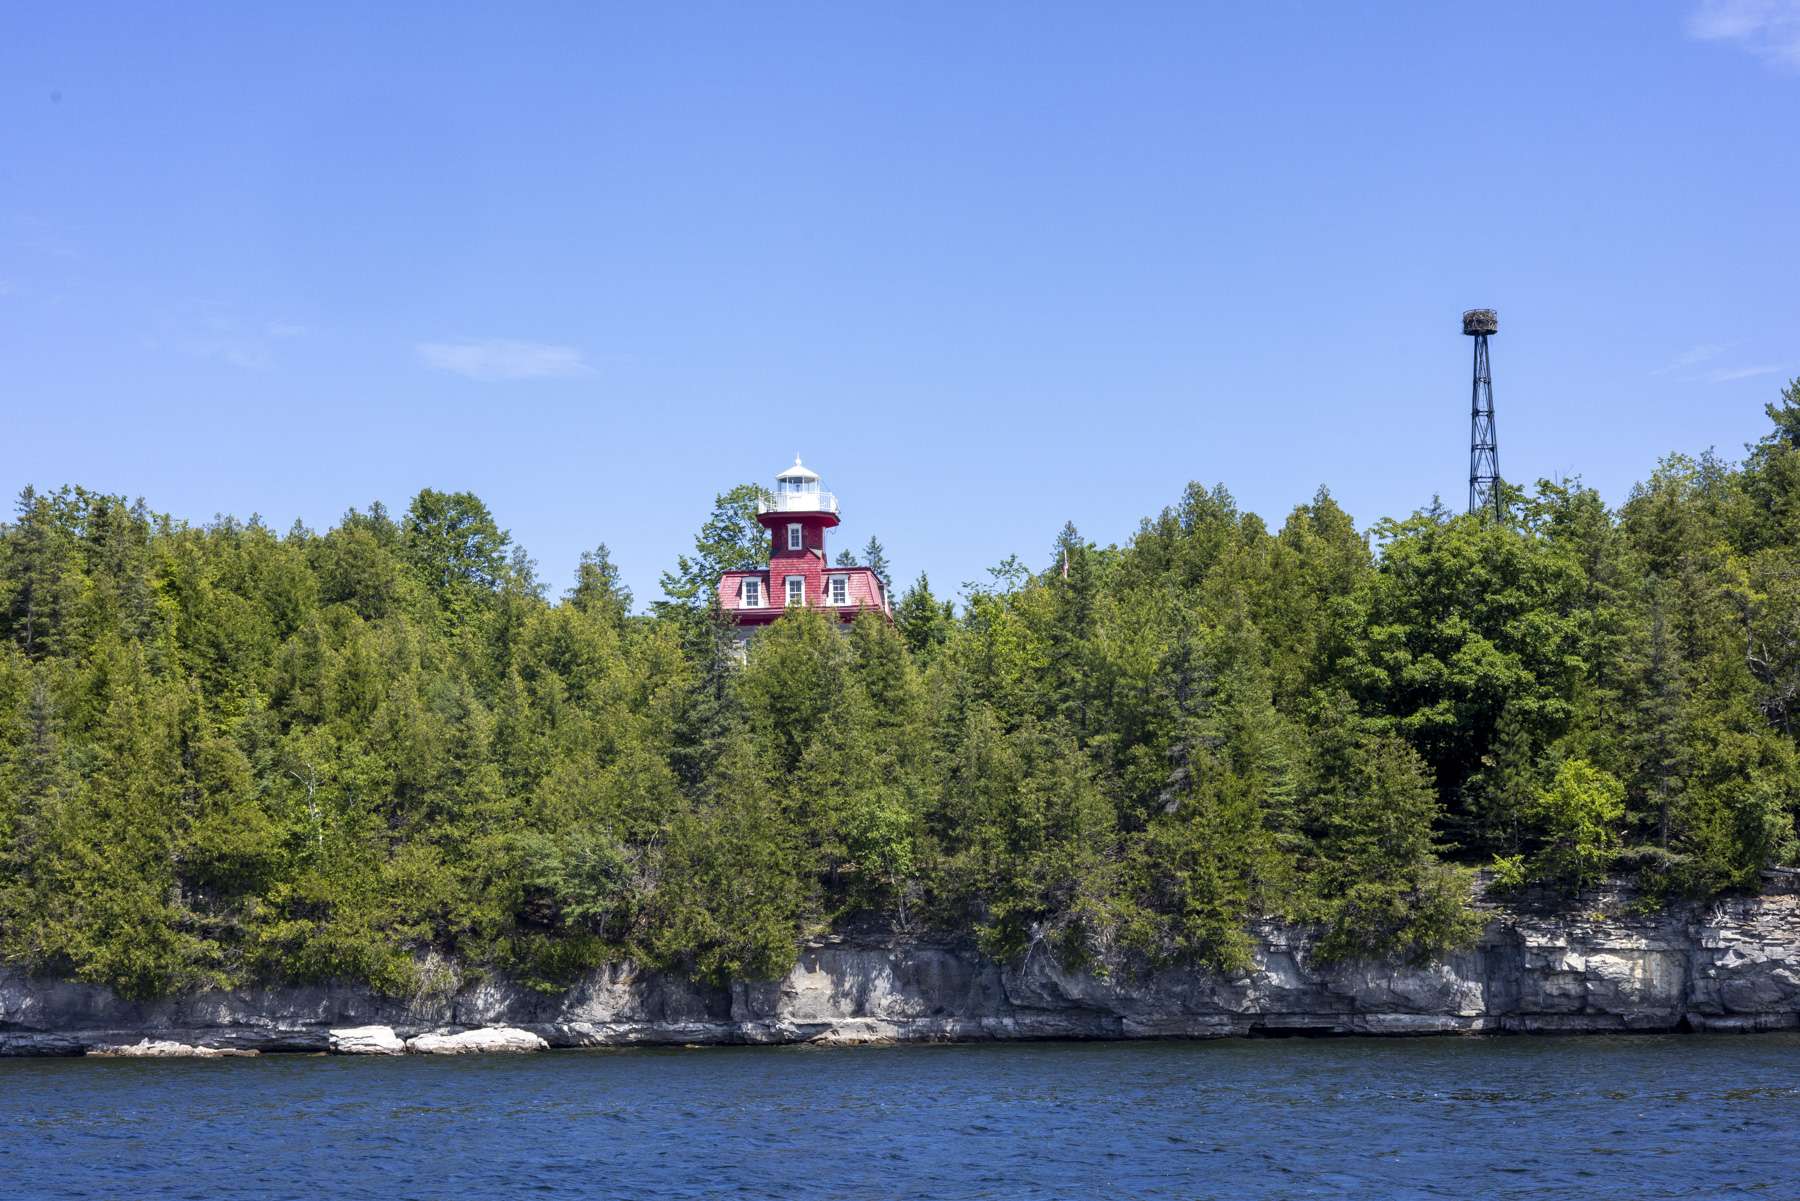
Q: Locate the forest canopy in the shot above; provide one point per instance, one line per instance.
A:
(229, 754)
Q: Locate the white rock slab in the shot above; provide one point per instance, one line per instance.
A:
(163, 1048)
(487, 1038)
(367, 1040)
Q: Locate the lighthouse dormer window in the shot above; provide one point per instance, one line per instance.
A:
(796, 536)
(840, 590)
(753, 594)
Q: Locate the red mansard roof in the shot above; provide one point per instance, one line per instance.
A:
(864, 592)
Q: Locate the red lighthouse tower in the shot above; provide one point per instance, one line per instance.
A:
(799, 572)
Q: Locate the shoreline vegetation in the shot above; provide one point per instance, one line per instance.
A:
(231, 757)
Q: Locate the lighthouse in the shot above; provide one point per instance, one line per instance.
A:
(797, 516)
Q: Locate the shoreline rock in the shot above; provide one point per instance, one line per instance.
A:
(367, 1040)
(482, 1039)
(162, 1048)
(1730, 965)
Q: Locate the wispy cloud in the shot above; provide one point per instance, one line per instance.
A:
(248, 345)
(1724, 375)
(503, 359)
(247, 353)
(1690, 366)
(1692, 357)
(1769, 29)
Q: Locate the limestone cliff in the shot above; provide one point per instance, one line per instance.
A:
(1732, 964)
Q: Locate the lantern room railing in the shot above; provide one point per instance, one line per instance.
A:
(798, 502)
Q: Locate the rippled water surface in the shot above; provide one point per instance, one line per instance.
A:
(1578, 1118)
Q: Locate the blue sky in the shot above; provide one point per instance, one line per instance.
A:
(987, 267)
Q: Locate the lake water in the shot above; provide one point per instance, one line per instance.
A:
(1576, 1118)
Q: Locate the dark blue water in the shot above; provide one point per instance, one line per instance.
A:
(1713, 1117)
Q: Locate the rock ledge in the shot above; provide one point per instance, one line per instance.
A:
(1731, 965)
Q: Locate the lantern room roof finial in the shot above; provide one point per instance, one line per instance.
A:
(798, 472)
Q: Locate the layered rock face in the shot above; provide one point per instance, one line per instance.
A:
(1732, 964)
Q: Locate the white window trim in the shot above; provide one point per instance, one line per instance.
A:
(752, 593)
(838, 589)
(796, 536)
(787, 587)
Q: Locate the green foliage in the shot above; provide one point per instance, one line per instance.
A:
(1377, 886)
(924, 621)
(1577, 818)
(730, 540)
(1467, 620)
(228, 755)
(451, 541)
(1041, 857)
(733, 895)
(599, 589)
(874, 557)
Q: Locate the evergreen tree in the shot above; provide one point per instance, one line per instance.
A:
(1073, 593)
(704, 710)
(874, 557)
(40, 578)
(732, 898)
(1377, 885)
(924, 621)
(599, 589)
(1502, 793)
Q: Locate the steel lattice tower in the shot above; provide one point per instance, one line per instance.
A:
(1484, 445)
